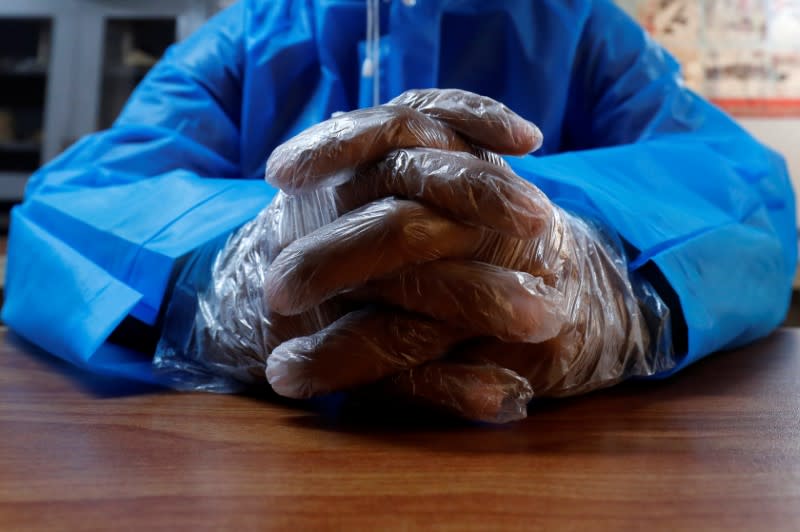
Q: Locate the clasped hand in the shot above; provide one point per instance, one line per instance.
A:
(403, 255)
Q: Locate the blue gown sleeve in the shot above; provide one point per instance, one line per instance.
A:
(102, 227)
(684, 186)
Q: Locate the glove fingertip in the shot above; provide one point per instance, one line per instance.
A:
(513, 408)
(537, 137)
(283, 293)
(286, 377)
(276, 172)
(516, 394)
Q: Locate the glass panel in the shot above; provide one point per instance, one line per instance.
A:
(24, 61)
(132, 47)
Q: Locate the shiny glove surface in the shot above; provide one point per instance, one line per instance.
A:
(557, 309)
(236, 329)
(408, 257)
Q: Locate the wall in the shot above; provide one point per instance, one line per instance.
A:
(783, 135)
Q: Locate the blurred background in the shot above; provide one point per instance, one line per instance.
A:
(743, 55)
(68, 66)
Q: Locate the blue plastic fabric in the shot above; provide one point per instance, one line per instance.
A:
(103, 227)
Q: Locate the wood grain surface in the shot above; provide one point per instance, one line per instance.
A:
(717, 447)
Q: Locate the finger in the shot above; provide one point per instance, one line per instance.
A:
(465, 187)
(276, 328)
(484, 299)
(553, 368)
(383, 237)
(359, 348)
(327, 153)
(484, 121)
(477, 392)
(290, 216)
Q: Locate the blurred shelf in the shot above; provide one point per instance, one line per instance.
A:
(23, 90)
(126, 71)
(12, 185)
(20, 147)
(27, 72)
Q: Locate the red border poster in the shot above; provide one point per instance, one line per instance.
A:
(744, 55)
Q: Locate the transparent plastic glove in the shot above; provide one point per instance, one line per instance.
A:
(235, 330)
(548, 293)
(327, 154)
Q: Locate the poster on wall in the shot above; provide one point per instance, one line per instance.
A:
(744, 55)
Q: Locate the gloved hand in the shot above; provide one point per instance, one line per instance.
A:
(235, 330)
(473, 246)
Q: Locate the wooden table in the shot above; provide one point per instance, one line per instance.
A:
(714, 448)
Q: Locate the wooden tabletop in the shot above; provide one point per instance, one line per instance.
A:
(717, 447)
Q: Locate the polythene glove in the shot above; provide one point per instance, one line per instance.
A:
(448, 119)
(557, 308)
(235, 330)
(548, 292)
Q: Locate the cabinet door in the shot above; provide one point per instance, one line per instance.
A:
(120, 41)
(68, 66)
(131, 46)
(35, 59)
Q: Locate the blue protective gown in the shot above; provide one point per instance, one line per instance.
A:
(103, 228)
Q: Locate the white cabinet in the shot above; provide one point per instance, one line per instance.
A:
(34, 51)
(67, 67)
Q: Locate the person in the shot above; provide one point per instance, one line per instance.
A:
(402, 255)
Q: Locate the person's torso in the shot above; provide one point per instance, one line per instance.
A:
(304, 60)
